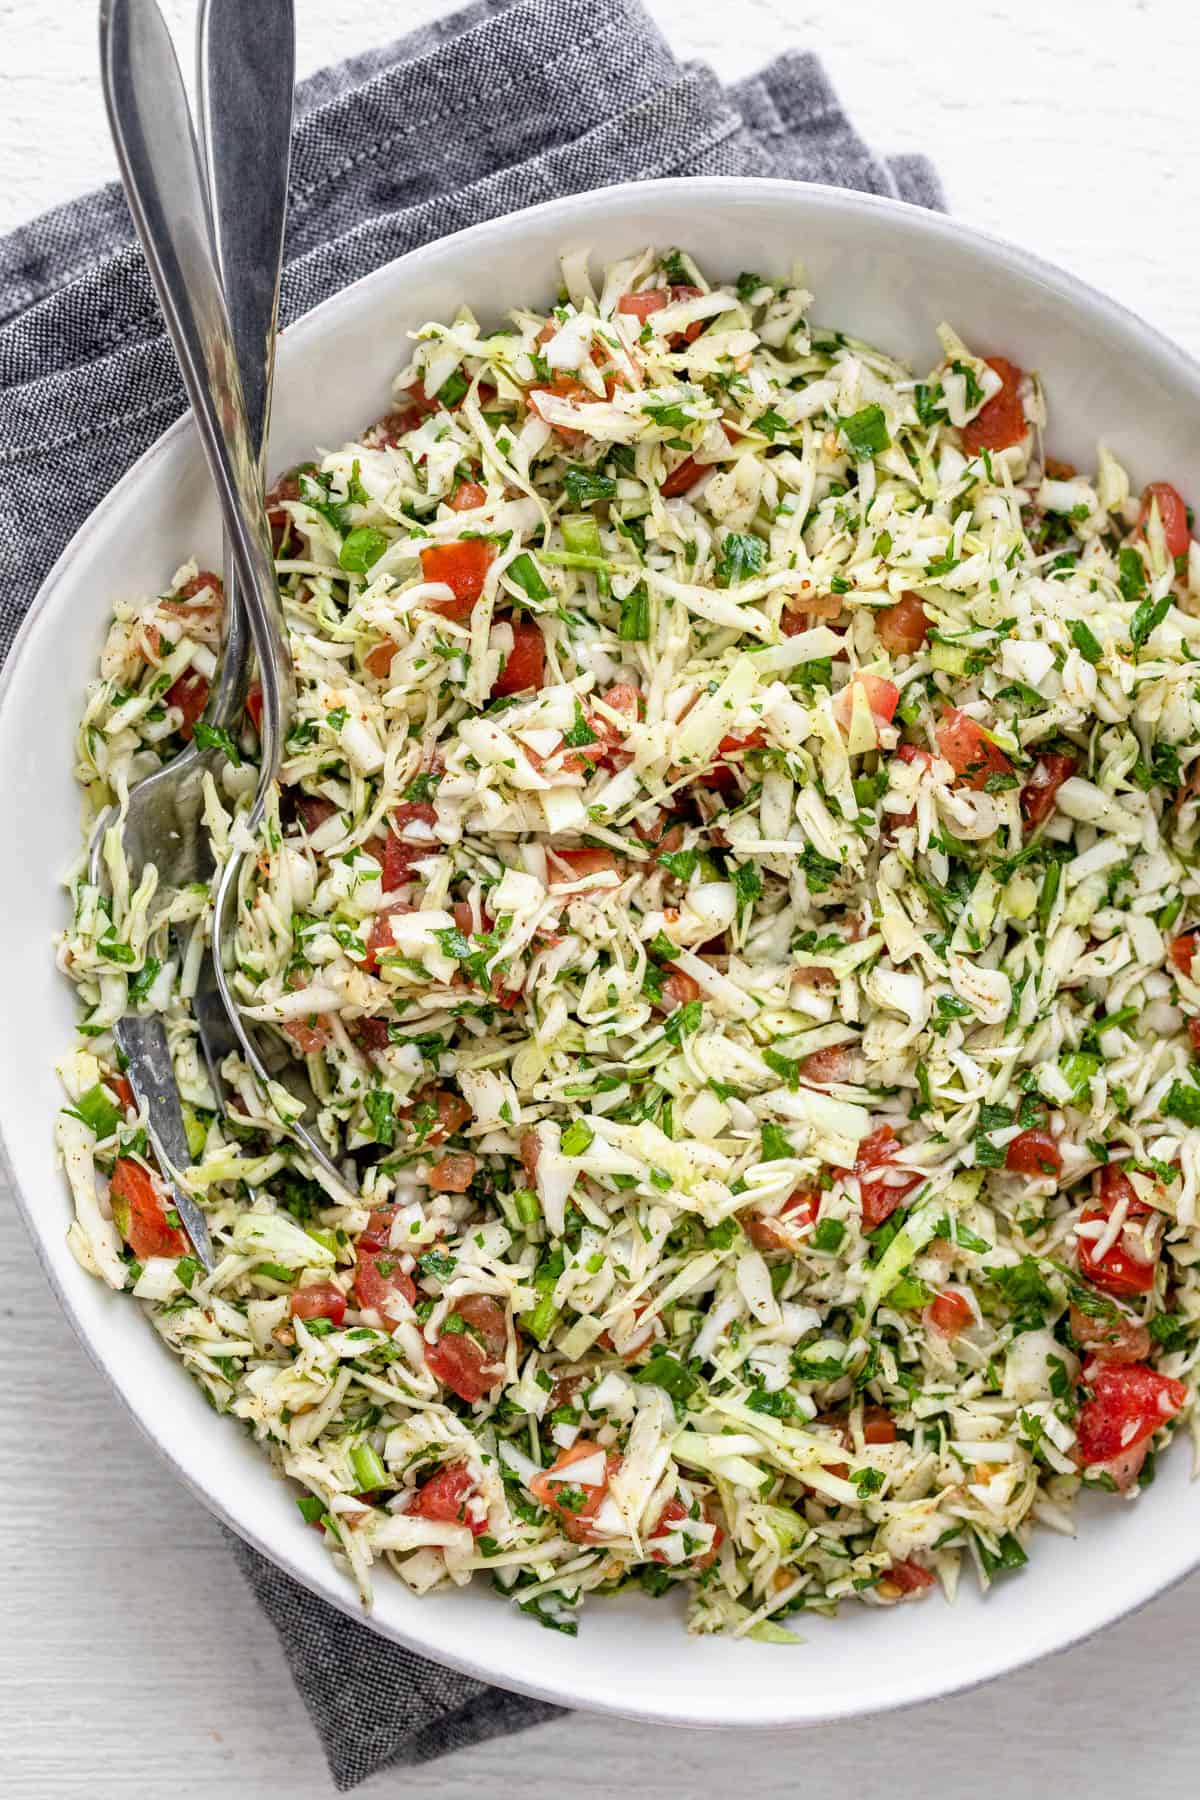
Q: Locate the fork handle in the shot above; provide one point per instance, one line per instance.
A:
(152, 131)
(246, 69)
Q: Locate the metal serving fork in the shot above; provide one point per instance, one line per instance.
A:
(152, 132)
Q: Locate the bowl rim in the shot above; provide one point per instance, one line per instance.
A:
(326, 1584)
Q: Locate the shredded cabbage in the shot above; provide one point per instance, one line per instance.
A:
(732, 883)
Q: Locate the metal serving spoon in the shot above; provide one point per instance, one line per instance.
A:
(156, 150)
(245, 79)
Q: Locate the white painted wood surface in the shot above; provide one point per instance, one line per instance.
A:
(132, 1661)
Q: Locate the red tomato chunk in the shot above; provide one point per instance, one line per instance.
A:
(950, 1312)
(470, 1361)
(1000, 421)
(525, 664)
(904, 627)
(461, 567)
(140, 1212)
(968, 749)
(882, 1185)
(1040, 792)
(379, 1280)
(190, 695)
(1033, 1153)
(779, 1231)
(557, 1489)
(1119, 1270)
(444, 1498)
(1172, 510)
(321, 1301)
(1128, 1404)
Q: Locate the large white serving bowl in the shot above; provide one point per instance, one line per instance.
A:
(882, 271)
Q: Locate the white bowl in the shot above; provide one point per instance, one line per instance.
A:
(885, 272)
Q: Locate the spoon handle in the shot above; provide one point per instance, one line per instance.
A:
(156, 149)
(244, 81)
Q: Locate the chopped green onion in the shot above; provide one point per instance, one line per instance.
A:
(369, 1472)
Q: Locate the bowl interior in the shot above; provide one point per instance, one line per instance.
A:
(883, 272)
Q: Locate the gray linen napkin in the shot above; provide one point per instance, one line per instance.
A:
(506, 103)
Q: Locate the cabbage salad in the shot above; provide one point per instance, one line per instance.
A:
(734, 887)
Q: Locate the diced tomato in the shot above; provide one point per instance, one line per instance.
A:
(453, 1174)
(123, 1090)
(607, 752)
(462, 567)
(682, 290)
(467, 496)
(409, 838)
(1112, 1337)
(190, 695)
(203, 621)
(322, 1301)
(882, 1185)
(1194, 1033)
(801, 614)
(140, 1213)
(674, 1513)
(910, 1577)
(678, 989)
(582, 863)
(466, 1365)
(878, 1427)
(969, 751)
(371, 1034)
(1000, 421)
(379, 938)
(882, 698)
(1040, 791)
(254, 707)
(1129, 1401)
(436, 1114)
(525, 664)
(1183, 949)
(949, 1312)
(683, 476)
(828, 1065)
(563, 387)
(312, 810)
(1118, 1271)
(378, 1235)
(379, 660)
(203, 582)
(1172, 510)
(387, 432)
(576, 1522)
(308, 1035)
(779, 1232)
(640, 306)
(1033, 1153)
(531, 1149)
(444, 1497)
(410, 812)
(738, 742)
(902, 628)
(379, 1280)
(285, 489)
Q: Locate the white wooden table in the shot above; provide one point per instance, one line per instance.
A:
(132, 1660)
